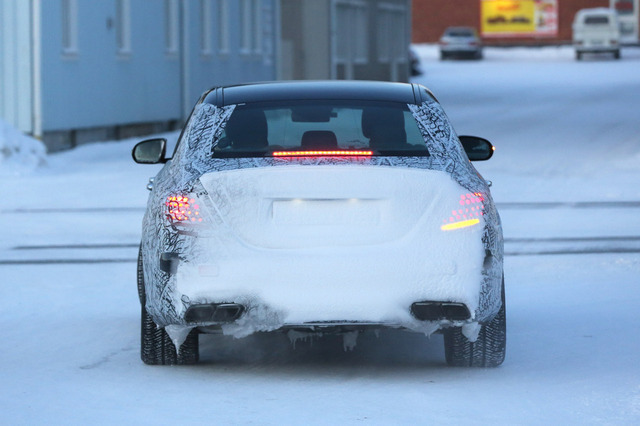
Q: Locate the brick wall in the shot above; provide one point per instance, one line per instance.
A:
(431, 17)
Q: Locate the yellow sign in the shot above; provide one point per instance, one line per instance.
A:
(509, 18)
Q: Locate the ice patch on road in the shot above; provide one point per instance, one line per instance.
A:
(19, 154)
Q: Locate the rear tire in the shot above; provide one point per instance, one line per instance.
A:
(487, 351)
(616, 54)
(141, 294)
(579, 56)
(156, 347)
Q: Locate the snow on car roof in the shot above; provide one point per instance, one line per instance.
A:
(308, 90)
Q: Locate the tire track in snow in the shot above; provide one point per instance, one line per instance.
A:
(75, 210)
(64, 261)
(567, 205)
(612, 250)
(615, 249)
(78, 246)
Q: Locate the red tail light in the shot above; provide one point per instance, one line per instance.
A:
(181, 209)
(470, 209)
(334, 153)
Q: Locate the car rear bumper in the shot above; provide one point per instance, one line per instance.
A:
(460, 49)
(360, 246)
(596, 47)
(200, 300)
(341, 286)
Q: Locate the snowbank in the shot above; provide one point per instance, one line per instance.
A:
(19, 154)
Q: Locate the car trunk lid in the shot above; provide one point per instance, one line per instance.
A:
(322, 206)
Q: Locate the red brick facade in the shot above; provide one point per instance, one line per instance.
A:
(431, 17)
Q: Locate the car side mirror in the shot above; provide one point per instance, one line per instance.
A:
(477, 149)
(150, 151)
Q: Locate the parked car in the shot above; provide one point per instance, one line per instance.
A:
(596, 31)
(460, 42)
(320, 207)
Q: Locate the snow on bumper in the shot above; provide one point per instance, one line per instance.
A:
(296, 245)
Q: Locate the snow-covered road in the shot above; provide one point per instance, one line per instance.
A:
(565, 177)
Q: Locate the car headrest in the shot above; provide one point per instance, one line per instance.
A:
(319, 139)
(383, 126)
(247, 129)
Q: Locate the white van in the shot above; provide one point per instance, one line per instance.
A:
(596, 31)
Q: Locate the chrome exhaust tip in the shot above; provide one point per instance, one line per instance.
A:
(214, 313)
(438, 311)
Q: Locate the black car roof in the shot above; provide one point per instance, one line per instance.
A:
(311, 90)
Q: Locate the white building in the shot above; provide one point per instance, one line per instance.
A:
(73, 71)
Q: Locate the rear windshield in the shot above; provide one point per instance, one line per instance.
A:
(265, 129)
(596, 20)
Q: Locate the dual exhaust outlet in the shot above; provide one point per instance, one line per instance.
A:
(438, 311)
(229, 312)
(214, 313)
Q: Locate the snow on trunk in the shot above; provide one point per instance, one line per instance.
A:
(331, 243)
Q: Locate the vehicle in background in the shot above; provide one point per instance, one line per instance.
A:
(460, 42)
(596, 31)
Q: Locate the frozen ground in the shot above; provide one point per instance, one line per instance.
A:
(19, 154)
(565, 176)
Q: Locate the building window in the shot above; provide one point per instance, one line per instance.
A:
(171, 31)
(223, 27)
(352, 32)
(257, 26)
(70, 27)
(383, 43)
(360, 38)
(390, 39)
(206, 42)
(123, 26)
(245, 26)
(250, 18)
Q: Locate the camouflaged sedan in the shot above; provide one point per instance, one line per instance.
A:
(320, 207)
